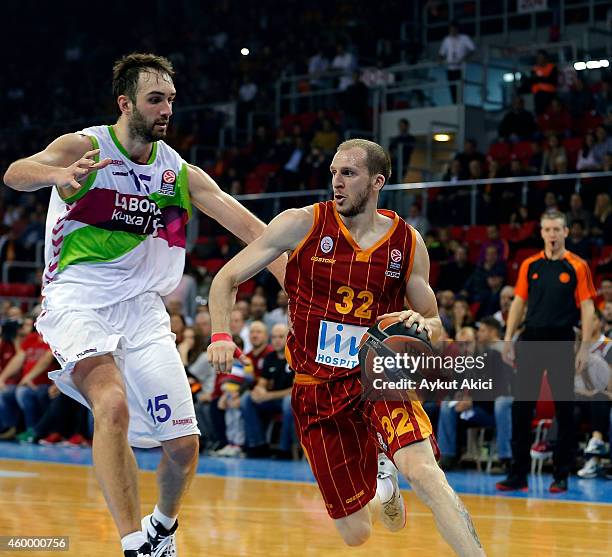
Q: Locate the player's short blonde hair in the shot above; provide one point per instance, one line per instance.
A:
(377, 159)
(553, 214)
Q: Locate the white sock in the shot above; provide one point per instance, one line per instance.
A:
(384, 489)
(166, 521)
(133, 541)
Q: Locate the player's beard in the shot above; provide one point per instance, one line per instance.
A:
(358, 206)
(141, 129)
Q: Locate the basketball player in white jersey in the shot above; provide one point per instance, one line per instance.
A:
(115, 244)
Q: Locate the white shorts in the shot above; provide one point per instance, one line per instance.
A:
(137, 333)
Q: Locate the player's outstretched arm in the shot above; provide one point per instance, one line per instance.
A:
(283, 234)
(229, 213)
(65, 163)
(421, 298)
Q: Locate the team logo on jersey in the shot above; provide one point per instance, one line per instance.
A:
(327, 244)
(168, 183)
(338, 344)
(396, 255)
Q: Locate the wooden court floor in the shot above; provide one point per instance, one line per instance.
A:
(230, 517)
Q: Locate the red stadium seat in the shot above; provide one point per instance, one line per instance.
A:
(474, 307)
(528, 229)
(572, 146)
(222, 241)
(306, 120)
(524, 253)
(515, 264)
(457, 232)
(514, 234)
(587, 123)
(523, 151)
(17, 289)
(476, 234)
(212, 265)
(500, 152)
(246, 289)
(254, 183)
(473, 252)
(257, 180)
(288, 121)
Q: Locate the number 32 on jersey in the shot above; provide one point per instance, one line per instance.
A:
(398, 424)
(347, 304)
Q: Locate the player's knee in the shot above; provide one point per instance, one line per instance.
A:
(426, 478)
(354, 532)
(183, 452)
(356, 536)
(111, 411)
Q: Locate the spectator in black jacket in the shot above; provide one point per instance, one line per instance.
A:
(580, 99)
(476, 285)
(456, 272)
(518, 124)
(470, 152)
(402, 143)
(577, 240)
(355, 105)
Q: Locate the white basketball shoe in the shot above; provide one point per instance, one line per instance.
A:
(163, 542)
(393, 513)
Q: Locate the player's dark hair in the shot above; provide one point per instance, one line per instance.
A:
(377, 159)
(492, 323)
(127, 69)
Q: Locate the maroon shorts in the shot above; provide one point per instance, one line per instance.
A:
(342, 435)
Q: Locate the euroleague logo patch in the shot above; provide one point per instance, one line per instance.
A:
(327, 244)
(168, 183)
(395, 263)
(169, 177)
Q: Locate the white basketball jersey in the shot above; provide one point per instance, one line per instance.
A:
(122, 233)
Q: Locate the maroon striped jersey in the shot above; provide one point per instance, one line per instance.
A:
(336, 290)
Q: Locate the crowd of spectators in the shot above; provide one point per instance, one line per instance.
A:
(246, 412)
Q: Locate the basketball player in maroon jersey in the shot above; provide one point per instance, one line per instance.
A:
(350, 263)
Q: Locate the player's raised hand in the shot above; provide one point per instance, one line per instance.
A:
(68, 179)
(221, 355)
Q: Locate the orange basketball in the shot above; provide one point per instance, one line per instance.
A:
(388, 338)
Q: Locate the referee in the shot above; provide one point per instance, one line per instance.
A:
(558, 289)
